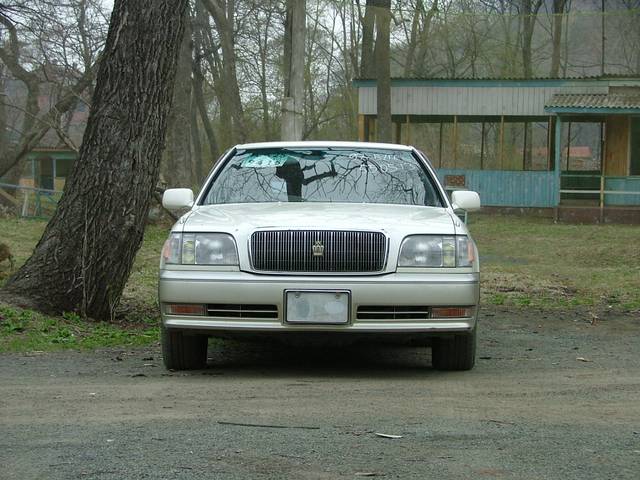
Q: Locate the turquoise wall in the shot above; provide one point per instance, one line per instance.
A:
(624, 184)
(506, 188)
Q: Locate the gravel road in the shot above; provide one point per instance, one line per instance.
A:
(551, 397)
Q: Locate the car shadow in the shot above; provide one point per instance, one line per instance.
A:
(278, 360)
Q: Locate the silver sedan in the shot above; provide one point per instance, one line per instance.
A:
(339, 241)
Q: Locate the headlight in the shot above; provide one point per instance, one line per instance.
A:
(436, 251)
(199, 249)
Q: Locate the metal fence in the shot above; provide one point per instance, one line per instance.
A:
(606, 190)
(30, 201)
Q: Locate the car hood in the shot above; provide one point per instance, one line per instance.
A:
(392, 219)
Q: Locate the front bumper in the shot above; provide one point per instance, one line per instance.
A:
(395, 289)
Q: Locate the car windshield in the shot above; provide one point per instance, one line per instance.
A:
(345, 175)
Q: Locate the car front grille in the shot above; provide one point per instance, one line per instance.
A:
(321, 251)
(242, 311)
(392, 312)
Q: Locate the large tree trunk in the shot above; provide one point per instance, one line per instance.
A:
(293, 102)
(84, 257)
(383, 70)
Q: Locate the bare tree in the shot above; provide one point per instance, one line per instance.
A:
(418, 38)
(223, 13)
(199, 27)
(294, 53)
(383, 70)
(177, 165)
(559, 7)
(50, 50)
(84, 257)
(529, 13)
(367, 65)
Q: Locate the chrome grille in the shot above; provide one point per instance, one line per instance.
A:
(335, 251)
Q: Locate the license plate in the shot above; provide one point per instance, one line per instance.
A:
(317, 307)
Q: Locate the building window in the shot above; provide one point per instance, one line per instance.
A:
(484, 143)
(581, 147)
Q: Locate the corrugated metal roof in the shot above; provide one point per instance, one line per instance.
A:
(594, 101)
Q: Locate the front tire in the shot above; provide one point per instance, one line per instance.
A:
(183, 352)
(454, 353)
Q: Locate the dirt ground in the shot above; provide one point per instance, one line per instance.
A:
(552, 396)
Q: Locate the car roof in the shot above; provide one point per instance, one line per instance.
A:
(323, 144)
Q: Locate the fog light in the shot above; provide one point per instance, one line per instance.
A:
(184, 309)
(450, 312)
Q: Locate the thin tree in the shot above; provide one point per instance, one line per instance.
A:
(28, 54)
(85, 255)
(176, 167)
(383, 69)
(223, 13)
(530, 9)
(293, 102)
(367, 65)
(559, 7)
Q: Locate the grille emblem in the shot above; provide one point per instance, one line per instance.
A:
(318, 248)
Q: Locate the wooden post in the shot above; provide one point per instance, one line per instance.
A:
(501, 142)
(482, 148)
(408, 136)
(524, 147)
(398, 138)
(602, 198)
(558, 155)
(568, 144)
(292, 104)
(602, 175)
(362, 130)
(25, 203)
(440, 148)
(549, 141)
(455, 141)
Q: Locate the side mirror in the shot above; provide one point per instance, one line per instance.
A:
(465, 200)
(177, 198)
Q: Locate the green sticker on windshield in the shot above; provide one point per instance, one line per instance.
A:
(264, 161)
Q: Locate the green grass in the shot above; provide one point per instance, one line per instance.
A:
(137, 322)
(534, 262)
(525, 262)
(25, 330)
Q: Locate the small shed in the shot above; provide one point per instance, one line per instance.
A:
(48, 168)
(569, 147)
